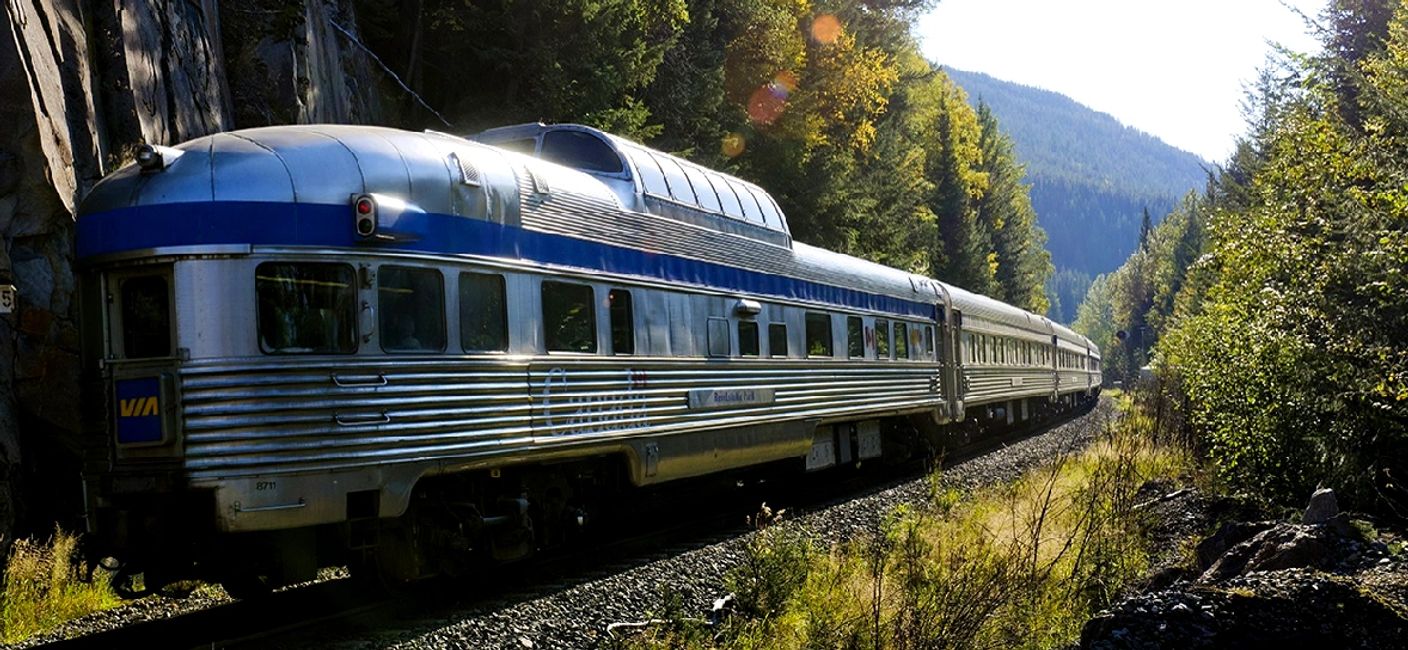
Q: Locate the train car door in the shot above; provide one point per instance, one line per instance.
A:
(956, 377)
(140, 357)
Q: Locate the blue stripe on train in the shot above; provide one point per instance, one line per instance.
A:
(297, 224)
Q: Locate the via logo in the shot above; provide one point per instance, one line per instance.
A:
(138, 407)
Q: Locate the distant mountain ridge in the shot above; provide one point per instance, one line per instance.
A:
(1092, 177)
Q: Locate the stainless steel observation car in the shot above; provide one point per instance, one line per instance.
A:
(311, 344)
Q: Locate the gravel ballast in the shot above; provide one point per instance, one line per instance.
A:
(577, 616)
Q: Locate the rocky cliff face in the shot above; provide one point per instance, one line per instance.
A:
(81, 85)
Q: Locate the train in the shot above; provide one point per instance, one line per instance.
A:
(321, 345)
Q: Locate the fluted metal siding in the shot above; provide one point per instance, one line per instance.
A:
(995, 383)
(270, 417)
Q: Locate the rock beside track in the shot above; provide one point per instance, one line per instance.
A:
(1256, 583)
(577, 616)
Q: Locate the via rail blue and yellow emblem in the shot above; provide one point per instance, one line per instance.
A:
(139, 411)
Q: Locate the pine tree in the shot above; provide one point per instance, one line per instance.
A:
(1004, 213)
(1145, 227)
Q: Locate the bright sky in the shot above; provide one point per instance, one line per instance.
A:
(1174, 68)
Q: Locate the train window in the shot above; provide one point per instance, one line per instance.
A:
(750, 204)
(717, 331)
(770, 215)
(777, 340)
(483, 312)
(969, 355)
(306, 308)
(146, 317)
(818, 335)
(882, 338)
(580, 151)
(929, 343)
(748, 338)
(901, 340)
(651, 178)
(569, 317)
(855, 337)
(708, 198)
(726, 196)
(623, 324)
(411, 307)
(679, 185)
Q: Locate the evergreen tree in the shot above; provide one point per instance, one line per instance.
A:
(1145, 227)
(1022, 264)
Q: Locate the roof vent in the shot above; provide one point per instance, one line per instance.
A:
(469, 174)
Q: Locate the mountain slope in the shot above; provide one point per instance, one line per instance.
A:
(1091, 177)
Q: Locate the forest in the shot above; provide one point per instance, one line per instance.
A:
(870, 149)
(1270, 303)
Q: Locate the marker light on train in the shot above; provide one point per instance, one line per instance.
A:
(155, 158)
(364, 208)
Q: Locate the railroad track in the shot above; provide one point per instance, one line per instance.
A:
(300, 616)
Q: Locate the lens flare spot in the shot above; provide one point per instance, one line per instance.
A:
(733, 145)
(826, 28)
(766, 104)
(785, 82)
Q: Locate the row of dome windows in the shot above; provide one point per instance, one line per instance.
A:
(662, 176)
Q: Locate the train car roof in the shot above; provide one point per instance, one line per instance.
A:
(440, 175)
(996, 317)
(659, 183)
(325, 164)
(864, 275)
(1071, 340)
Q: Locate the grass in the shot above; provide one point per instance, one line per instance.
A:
(43, 587)
(1020, 565)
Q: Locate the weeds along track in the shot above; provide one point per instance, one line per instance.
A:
(675, 556)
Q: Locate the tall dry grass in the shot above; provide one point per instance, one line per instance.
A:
(1020, 565)
(44, 587)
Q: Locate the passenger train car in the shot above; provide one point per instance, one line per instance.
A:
(324, 344)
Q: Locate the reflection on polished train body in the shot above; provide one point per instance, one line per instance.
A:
(312, 344)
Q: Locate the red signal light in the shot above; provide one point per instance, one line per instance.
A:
(364, 209)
